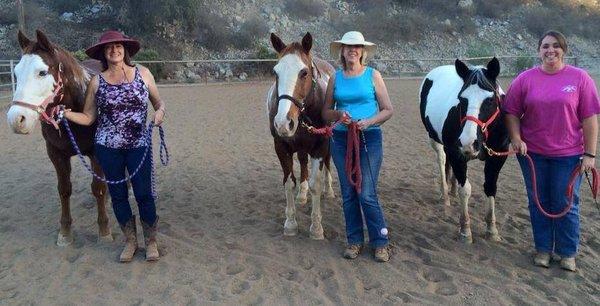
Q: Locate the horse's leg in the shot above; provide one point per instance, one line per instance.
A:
(492, 170)
(317, 172)
(99, 192)
(290, 227)
(441, 162)
(328, 186)
(459, 167)
(451, 180)
(302, 196)
(62, 165)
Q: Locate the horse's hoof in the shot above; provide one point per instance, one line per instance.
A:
(106, 238)
(301, 200)
(64, 240)
(316, 233)
(466, 238)
(330, 194)
(491, 236)
(317, 236)
(290, 231)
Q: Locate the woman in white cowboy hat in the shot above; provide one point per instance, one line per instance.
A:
(357, 97)
(118, 98)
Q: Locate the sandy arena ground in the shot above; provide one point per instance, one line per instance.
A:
(221, 231)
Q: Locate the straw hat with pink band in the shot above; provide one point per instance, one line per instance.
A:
(351, 38)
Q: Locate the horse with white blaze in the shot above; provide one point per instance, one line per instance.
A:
(460, 108)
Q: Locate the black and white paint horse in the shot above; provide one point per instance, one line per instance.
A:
(460, 108)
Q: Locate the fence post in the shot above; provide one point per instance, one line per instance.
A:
(575, 62)
(12, 76)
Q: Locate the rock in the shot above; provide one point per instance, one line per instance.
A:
(243, 76)
(447, 22)
(66, 16)
(519, 37)
(381, 67)
(520, 45)
(465, 4)
(228, 73)
(96, 8)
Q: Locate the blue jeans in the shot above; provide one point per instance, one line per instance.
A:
(560, 236)
(113, 163)
(366, 203)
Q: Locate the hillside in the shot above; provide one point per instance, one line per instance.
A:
(226, 29)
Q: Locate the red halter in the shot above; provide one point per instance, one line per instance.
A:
(483, 125)
(47, 115)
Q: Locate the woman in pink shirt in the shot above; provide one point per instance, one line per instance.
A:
(551, 114)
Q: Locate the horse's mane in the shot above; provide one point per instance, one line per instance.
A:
(478, 77)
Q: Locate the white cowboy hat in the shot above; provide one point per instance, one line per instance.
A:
(351, 38)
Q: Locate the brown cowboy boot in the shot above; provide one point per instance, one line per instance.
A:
(130, 233)
(150, 232)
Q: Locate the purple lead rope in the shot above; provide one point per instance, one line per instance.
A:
(163, 153)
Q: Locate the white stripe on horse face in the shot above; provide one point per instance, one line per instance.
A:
(475, 97)
(287, 70)
(31, 88)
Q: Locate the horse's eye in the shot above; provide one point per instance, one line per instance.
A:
(43, 73)
(303, 74)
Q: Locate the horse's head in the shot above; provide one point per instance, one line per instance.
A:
(480, 96)
(295, 81)
(37, 74)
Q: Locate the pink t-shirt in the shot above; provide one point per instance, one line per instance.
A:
(551, 108)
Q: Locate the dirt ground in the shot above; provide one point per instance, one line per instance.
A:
(221, 205)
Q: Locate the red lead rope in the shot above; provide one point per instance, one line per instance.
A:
(594, 185)
(353, 157)
(352, 160)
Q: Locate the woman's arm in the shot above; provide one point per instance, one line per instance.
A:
(513, 124)
(88, 116)
(590, 136)
(157, 103)
(383, 99)
(328, 113)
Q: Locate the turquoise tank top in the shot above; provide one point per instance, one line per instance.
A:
(356, 95)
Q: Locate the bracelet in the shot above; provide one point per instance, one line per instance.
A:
(589, 155)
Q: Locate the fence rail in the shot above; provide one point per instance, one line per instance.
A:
(219, 70)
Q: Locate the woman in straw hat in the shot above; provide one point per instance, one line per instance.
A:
(357, 97)
(118, 98)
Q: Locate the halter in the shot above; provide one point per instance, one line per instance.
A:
(300, 103)
(484, 125)
(47, 115)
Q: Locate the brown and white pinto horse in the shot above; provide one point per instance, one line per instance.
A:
(294, 103)
(41, 69)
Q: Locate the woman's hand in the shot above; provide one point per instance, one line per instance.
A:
(159, 116)
(587, 163)
(344, 117)
(364, 124)
(519, 146)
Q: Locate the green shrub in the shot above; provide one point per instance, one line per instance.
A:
(305, 9)
(80, 55)
(250, 33)
(62, 6)
(480, 49)
(523, 63)
(210, 31)
(151, 55)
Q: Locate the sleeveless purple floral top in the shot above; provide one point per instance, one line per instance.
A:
(122, 112)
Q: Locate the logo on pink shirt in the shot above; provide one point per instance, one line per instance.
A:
(569, 88)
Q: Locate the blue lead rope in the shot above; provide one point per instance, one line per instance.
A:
(163, 153)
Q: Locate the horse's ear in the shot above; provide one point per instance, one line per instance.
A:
(44, 42)
(277, 43)
(493, 69)
(24, 42)
(462, 69)
(307, 42)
